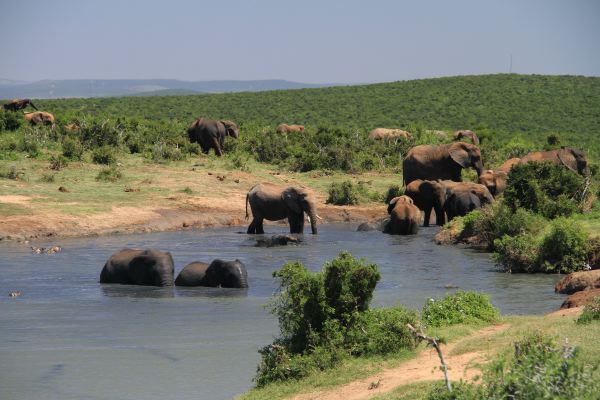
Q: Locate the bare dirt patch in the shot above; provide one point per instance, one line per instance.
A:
(424, 367)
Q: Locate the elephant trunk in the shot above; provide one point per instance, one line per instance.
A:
(313, 221)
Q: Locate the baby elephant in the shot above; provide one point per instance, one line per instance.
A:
(226, 274)
(404, 217)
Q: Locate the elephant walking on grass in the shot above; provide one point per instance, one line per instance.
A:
(39, 118)
(272, 202)
(18, 104)
(404, 217)
(219, 273)
(428, 195)
(441, 162)
(139, 267)
(210, 134)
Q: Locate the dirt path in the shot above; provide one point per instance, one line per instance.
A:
(422, 368)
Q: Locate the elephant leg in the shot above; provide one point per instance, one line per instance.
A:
(217, 147)
(259, 227)
(252, 227)
(427, 216)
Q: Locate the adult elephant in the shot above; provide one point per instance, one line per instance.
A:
(494, 180)
(482, 192)
(39, 118)
(386, 133)
(460, 203)
(285, 128)
(148, 267)
(445, 161)
(210, 134)
(428, 195)
(272, 202)
(404, 217)
(574, 159)
(18, 104)
(460, 135)
(508, 164)
(219, 273)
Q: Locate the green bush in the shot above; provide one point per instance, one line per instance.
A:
(28, 144)
(393, 191)
(110, 174)
(104, 155)
(58, 162)
(517, 253)
(461, 307)
(591, 312)
(564, 249)
(539, 369)
(544, 188)
(72, 148)
(10, 121)
(162, 152)
(342, 194)
(324, 317)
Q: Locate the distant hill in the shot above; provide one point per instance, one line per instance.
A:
(84, 88)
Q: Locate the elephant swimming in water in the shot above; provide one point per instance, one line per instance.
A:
(148, 267)
(219, 273)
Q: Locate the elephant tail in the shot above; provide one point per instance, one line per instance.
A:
(247, 199)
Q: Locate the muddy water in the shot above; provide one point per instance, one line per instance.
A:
(68, 337)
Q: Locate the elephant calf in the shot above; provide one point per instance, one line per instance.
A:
(139, 267)
(219, 273)
(404, 217)
(494, 180)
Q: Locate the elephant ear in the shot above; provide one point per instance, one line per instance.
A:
(291, 199)
(392, 204)
(459, 154)
(565, 155)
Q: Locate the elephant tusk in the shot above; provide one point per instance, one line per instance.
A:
(319, 217)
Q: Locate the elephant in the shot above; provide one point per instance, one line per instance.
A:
(428, 195)
(386, 133)
(285, 128)
(574, 159)
(404, 217)
(210, 134)
(219, 273)
(508, 164)
(482, 192)
(277, 240)
(18, 104)
(459, 135)
(378, 225)
(460, 203)
(39, 118)
(272, 202)
(445, 161)
(494, 180)
(148, 267)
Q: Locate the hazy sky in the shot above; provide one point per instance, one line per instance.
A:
(309, 41)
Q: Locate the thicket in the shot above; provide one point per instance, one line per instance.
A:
(457, 308)
(324, 317)
(537, 369)
(591, 312)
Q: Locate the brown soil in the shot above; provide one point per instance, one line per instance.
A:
(422, 368)
(184, 212)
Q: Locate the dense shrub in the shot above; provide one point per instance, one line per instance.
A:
(162, 152)
(10, 121)
(538, 369)
(544, 188)
(591, 312)
(342, 194)
(564, 248)
(28, 144)
(393, 191)
(110, 174)
(104, 155)
(324, 317)
(461, 307)
(72, 148)
(517, 253)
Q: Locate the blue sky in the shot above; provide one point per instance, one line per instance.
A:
(307, 41)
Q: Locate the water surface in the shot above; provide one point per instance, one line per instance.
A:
(68, 337)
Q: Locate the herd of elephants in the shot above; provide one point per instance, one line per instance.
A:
(432, 181)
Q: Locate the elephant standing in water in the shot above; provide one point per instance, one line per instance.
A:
(441, 162)
(219, 273)
(139, 267)
(428, 195)
(272, 202)
(210, 134)
(404, 217)
(574, 159)
(18, 104)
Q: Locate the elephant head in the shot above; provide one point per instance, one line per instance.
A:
(299, 201)
(398, 200)
(227, 274)
(494, 181)
(574, 159)
(466, 155)
(231, 128)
